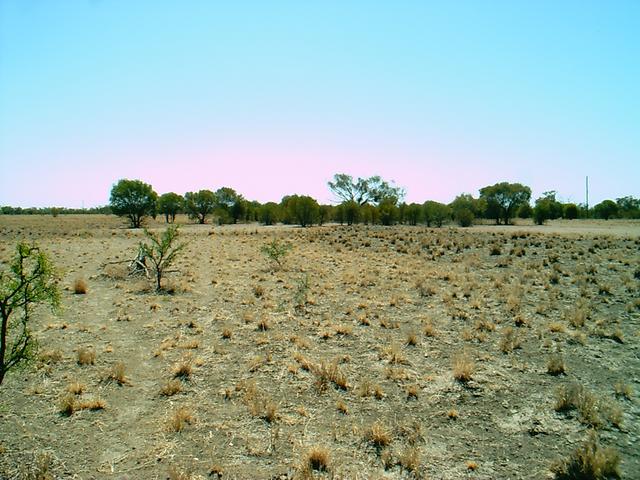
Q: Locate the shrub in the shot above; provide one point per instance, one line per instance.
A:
(28, 281)
(161, 251)
(275, 251)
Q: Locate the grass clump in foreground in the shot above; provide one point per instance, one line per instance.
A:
(589, 462)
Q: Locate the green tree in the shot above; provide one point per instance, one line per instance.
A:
(162, 251)
(435, 213)
(547, 208)
(371, 190)
(628, 207)
(133, 199)
(369, 214)
(199, 205)
(170, 204)
(503, 199)
(414, 213)
(606, 209)
(338, 214)
(230, 206)
(465, 209)
(29, 281)
(570, 211)
(388, 211)
(270, 213)
(325, 214)
(301, 209)
(525, 211)
(351, 212)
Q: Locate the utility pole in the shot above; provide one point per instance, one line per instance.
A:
(587, 192)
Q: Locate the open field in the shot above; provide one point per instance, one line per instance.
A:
(398, 352)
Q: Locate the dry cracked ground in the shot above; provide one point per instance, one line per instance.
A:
(372, 352)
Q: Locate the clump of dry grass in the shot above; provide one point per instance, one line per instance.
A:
(180, 419)
(412, 392)
(92, 404)
(172, 387)
(428, 329)
(258, 291)
(117, 374)
(393, 354)
(509, 341)
(69, 404)
(378, 435)
(575, 397)
(86, 356)
(183, 369)
(409, 459)
(412, 338)
(424, 290)
(76, 388)
(555, 365)
(305, 363)
(463, 367)
(264, 324)
(80, 286)
(50, 357)
(330, 372)
(318, 459)
(622, 389)
(590, 461)
(342, 407)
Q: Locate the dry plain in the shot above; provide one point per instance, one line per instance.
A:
(340, 364)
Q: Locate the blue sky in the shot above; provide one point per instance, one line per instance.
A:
(273, 98)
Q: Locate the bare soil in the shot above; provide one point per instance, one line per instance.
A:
(351, 346)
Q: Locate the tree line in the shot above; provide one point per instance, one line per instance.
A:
(363, 200)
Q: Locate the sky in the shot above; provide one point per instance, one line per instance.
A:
(274, 98)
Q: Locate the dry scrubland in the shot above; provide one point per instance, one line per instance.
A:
(373, 353)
